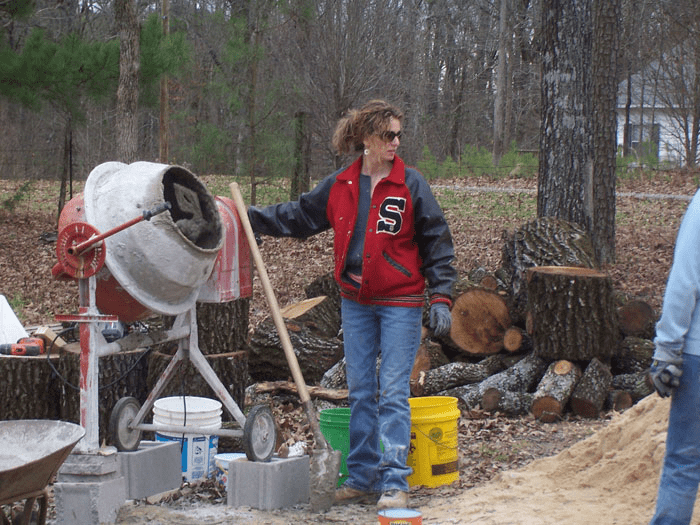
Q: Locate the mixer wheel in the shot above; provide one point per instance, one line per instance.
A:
(259, 434)
(123, 413)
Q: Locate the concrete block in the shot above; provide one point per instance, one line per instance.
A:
(77, 466)
(154, 468)
(86, 503)
(279, 483)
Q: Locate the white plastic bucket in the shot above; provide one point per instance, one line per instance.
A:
(200, 446)
(222, 462)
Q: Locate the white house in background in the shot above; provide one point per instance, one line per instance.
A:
(655, 113)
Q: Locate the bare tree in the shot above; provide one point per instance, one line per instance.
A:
(128, 90)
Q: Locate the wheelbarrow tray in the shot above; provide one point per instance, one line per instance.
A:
(31, 452)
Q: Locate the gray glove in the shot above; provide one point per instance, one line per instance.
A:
(440, 319)
(665, 371)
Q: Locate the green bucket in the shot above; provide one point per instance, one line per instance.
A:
(335, 427)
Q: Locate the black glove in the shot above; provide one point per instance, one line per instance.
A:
(665, 377)
(440, 319)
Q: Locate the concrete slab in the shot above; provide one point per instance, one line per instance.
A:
(279, 483)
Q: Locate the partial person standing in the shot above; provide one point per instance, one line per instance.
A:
(390, 237)
(675, 372)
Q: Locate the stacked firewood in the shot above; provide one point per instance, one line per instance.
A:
(546, 334)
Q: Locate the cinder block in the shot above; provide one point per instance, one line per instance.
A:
(279, 483)
(154, 468)
(86, 503)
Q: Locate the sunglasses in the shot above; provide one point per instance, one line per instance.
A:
(389, 136)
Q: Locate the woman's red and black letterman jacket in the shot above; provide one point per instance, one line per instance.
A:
(407, 240)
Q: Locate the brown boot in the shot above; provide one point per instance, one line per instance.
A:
(393, 499)
(345, 495)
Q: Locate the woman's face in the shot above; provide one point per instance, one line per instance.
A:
(385, 144)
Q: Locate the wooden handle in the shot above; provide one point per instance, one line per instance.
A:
(270, 295)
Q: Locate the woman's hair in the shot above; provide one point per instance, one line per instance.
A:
(358, 124)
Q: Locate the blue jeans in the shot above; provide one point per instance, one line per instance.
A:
(680, 477)
(379, 409)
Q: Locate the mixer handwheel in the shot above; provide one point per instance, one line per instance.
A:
(259, 434)
(123, 413)
(79, 265)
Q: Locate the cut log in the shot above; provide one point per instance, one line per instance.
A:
(523, 376)
(517, 339)
(420, 365)
(318, 314)
(318, 392)
(455, 374)
(231, 369)
(618, 400)
(637, 319)
(506, 402)
(592, 390)
(122, 374)
(316, 354)
(573, 313)
(546, 241)
(480, 319)
(222, 328)
(29, 388)
(633, 355)
(637, 384)
(554, 391)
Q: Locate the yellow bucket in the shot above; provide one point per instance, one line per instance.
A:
(433, 451)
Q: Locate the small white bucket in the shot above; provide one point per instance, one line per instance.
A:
(198, 447)
(222, 462)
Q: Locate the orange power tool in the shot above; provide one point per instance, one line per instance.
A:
(24, 346)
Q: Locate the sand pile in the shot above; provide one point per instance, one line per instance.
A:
(608, 478)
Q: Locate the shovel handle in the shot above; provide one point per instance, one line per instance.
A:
(270, 294)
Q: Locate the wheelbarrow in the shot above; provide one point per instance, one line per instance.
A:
(31, 452)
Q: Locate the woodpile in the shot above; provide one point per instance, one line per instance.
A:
(545, 334)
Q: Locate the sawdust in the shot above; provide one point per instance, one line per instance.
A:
(610, 477)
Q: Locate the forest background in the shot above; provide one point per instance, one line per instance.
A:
(253, 88)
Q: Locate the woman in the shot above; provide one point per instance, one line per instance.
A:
(390, 237)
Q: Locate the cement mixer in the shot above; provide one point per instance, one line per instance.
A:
(149, 238)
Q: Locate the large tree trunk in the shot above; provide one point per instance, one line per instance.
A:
(222, 328)
(128, 90)
(571, 313)
(122, 374)
(29, 388)
(546, 241)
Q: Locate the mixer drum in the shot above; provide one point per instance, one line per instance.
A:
(161, 263)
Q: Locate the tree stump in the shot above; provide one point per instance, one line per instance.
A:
(637, 319)
(554, 391)
(29, 388)
(592, 390)
(122, 374)
(572, 313)
(315, 353)
(506, 402)
(230, 368)
(546, 241)
(222, 328)
(633, 355)
(436, 380)
(480, 319)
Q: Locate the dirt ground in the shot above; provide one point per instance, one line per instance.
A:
(512, 470)
(609, 478)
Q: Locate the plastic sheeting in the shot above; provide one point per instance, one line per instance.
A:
(10, 328)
